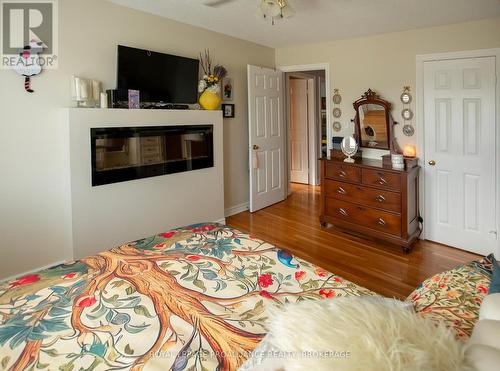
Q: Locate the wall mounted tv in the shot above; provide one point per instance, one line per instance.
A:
(160, 78)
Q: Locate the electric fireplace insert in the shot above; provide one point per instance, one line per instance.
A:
(128, 153)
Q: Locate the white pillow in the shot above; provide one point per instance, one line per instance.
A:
(483, 348)
(483, 357)
(490, 308)
(486, 332)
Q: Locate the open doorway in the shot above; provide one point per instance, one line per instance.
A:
(306, 113)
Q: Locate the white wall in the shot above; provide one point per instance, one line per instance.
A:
(114, 214)
(33, 228)
(385, 63)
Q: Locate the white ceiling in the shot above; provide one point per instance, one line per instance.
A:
(318, 20)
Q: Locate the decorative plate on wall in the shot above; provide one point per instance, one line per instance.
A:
(407, 114)
(337, 112)
(337, 98)
(337, 126)
(406, 98)
(408, 130)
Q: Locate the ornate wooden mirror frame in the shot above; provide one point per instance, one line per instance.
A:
(370, 97)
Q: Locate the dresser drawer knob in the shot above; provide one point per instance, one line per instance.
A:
(382, 181)
(343, 212)
(342, 173)
(381, 221)
(341, 191)
(380, 198)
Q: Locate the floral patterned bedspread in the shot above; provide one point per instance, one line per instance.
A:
(191, 298)
(455, 296)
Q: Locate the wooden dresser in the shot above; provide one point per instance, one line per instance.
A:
(370, 198)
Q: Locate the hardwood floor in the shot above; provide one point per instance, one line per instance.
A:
(294, 225)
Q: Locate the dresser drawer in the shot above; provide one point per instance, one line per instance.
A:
(150, 140)
(383, 179)
(151, 159)
(364, 216)
(150, 150)
(386, 200)
(343, 172)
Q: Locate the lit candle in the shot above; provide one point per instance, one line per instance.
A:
(409, 151)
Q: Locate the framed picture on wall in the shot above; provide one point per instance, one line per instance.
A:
(228, 111)
(227, 89)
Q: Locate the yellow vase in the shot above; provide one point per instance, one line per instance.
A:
(210, 100)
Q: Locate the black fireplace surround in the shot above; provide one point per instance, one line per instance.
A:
(128, 153)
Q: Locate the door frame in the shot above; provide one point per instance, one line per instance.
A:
(420, 124)
(329, 131)
(310, 124)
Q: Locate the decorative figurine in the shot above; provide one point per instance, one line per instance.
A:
(28, 64)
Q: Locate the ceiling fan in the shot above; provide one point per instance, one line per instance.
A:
(273, 10)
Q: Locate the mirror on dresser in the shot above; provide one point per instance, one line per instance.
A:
(373, 123)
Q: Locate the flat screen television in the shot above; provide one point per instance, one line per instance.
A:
(160, 78)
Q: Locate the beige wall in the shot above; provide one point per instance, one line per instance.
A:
(386, 63)
(33, 230)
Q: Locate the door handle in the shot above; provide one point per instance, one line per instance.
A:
(432, 162)
(255, 147)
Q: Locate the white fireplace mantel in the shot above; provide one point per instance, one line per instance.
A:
(106, 216)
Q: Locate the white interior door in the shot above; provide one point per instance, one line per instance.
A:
(460, 156)
(266, 137)
(299, 138)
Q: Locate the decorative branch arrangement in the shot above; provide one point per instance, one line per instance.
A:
(211, 76)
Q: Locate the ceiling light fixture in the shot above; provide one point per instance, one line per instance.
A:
(275, 10)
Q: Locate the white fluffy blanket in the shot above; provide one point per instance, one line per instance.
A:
(361, 334)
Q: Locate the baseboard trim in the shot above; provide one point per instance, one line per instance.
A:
(221, 221)
(11, 278)
(236, 209)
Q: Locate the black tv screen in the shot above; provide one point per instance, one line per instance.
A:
(158, 77)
